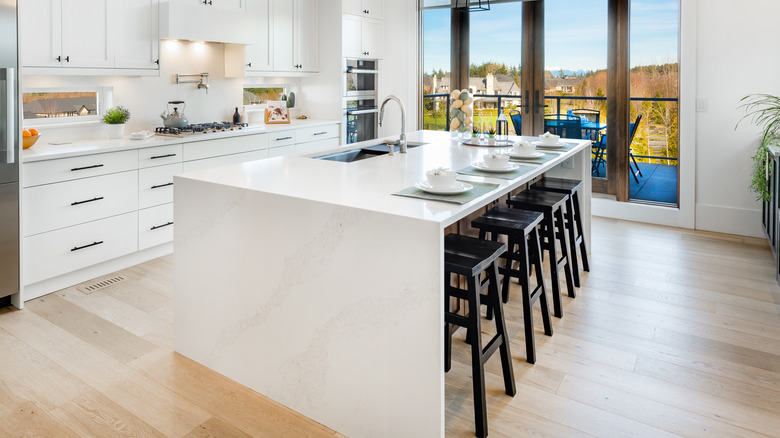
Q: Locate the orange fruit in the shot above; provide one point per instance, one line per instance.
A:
(33, 132)
(26, 133)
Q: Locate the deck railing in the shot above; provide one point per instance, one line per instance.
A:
(436, 116)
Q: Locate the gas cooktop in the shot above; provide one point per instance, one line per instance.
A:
(199, 128)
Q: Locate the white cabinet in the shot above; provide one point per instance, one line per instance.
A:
(257, 56)
(367, 8)
(295, 36)
(362, 38)
(137, 34)
(67, 33)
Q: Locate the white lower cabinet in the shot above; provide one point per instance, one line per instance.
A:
(48, 255)
(53, 206)
(155, 226)
(155, 185)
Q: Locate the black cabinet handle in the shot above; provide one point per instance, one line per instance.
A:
(59, 59)
(86, 246)
(162, 156)
(85, 168)
(283, 138)
(249, 65)
(321, 133)
(157, 61)
(160, 226)
(162, 185)
(88, 200)
(365, 11)
(67, 59)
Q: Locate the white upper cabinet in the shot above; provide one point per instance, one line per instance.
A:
(257, 56)
(362, 38)
(67, 33)
(90, 34)
(295, 36)
(365, 8)
(227, 4)
(137, 34)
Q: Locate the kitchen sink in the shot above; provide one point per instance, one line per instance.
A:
(365, 152)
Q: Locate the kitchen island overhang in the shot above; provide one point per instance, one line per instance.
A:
(309, 282)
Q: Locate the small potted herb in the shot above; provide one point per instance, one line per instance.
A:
(474, 130)
(491, 130)
(115, 118)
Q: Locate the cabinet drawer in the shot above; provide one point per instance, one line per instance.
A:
(57, 252)
(155, 226)
(159, 156)
(155, 185)
(69, 203)
(284, 150)
(314, 146)
(199, 150)
(281, 138)
(65, 169)
(316, 133)
(192, 166)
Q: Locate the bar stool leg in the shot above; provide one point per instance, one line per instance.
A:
(578, 221)
(504, 350)
(477, 368)
(536, 259)
(553, 256)
(447, 333)
(561, 233)
(570, 227)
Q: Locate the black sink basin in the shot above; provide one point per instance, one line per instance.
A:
(365, 152)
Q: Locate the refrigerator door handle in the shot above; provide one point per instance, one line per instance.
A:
(9, 115)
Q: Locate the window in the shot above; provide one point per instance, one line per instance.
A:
(57, 106)
(261, 95)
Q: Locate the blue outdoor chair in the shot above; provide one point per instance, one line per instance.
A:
(564, 125)
(516, 118)
(600, 149)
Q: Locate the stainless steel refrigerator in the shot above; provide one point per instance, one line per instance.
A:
(9, 151)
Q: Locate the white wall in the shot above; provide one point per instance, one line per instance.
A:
(737, 55)
(146, 97)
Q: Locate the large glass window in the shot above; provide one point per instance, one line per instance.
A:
(436, 68)
(654, 100)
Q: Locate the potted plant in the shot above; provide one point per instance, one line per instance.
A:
(764, 111)
(115, 118)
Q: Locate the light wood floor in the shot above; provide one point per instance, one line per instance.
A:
(673, 333)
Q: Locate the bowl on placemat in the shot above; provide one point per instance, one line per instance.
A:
(27, 142)
(496, 161)
(548, 139)
(524, 148)
(441, 177)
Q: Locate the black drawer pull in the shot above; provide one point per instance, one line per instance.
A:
(85, 168)
(162, 156)
(162, 185)
(321, 133)
(86, 246)
(88, 200)
(283, 138)
(160, 226)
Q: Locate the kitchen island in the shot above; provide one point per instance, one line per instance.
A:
(310, 282)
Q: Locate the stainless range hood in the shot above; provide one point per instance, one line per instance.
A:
(200, 22)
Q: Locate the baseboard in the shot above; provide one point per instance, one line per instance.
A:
(729, 220)
(41, 288)
(653, 214)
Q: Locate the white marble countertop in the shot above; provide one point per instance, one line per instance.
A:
(370, 183)
(42, 150)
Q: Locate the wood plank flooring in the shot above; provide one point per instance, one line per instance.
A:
(673, 333)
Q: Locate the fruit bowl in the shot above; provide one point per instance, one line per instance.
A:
(27, 142)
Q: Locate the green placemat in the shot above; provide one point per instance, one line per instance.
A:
(462, 198)
(548, 156)
(520, 171)
(565, 148)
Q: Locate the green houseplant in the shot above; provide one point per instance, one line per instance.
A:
(764, 111)
(115, 118)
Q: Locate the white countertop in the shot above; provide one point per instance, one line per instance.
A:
(370, 183)
(44, 151)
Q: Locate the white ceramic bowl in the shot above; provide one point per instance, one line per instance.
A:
(524, 148)
(496, 161)
(441, 178)
(548, 139)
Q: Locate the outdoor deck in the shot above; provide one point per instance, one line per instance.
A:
(658, 183)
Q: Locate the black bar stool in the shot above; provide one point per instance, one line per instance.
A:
(553, 228)
(573, 219)
(520, 227)
(469, 256)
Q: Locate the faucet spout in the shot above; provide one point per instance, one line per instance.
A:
(402, 138)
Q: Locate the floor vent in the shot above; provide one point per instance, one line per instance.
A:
(100, 283)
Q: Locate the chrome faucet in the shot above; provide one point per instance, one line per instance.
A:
(402, 139)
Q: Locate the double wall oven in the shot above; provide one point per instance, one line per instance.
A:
(360, 119)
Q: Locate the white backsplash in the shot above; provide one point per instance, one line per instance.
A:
(146, 97)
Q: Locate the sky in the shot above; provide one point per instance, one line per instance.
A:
(575, 34)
